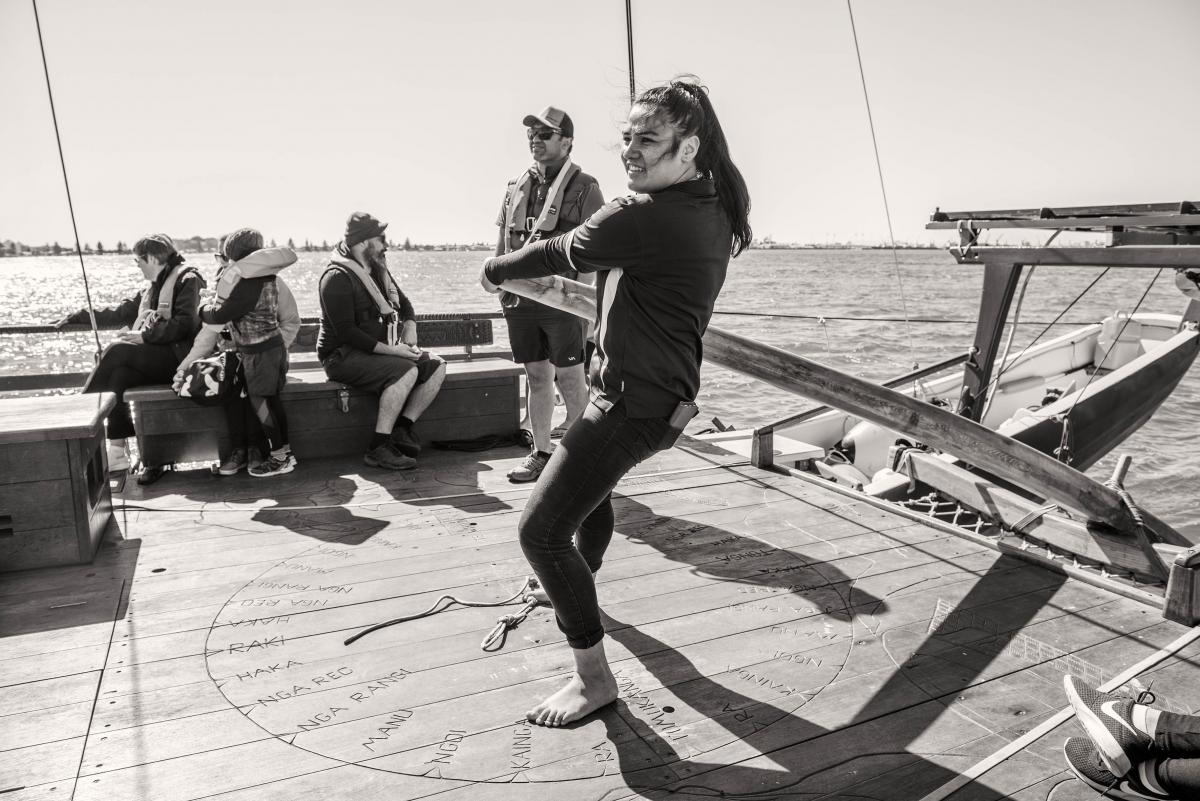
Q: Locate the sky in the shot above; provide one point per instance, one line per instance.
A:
(195, 118)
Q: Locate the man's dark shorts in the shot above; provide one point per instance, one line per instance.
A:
(552, 336)
(374, 372)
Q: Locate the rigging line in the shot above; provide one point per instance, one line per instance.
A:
(1055, 321)
(61, 160)
(1067, 415)
(819, 317)
(882, 188)
(1012, 332)
(629, 41)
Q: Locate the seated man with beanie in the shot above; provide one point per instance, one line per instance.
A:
(368, 339)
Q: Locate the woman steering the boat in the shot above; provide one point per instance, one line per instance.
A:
(163, 320)
(660, 257)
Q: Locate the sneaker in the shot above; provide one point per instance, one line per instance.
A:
(406, 442)
(1105, 719)
(528, 470)
(1087, 763)
(388, 457)
(118, 456)
(274, 466)
(234, 464)
(254, 457)
(150, 473)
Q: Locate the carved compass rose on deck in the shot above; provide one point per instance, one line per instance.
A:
(717, 640)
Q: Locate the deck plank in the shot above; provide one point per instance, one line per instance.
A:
(761, 629)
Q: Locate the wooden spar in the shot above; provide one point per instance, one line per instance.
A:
(561, 293)
(999, 286)
(1146, 256)
(1010, 509)
(999, 455)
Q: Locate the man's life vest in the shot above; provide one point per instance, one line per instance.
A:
(561, 212)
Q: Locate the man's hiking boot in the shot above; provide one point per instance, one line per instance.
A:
(388, 457)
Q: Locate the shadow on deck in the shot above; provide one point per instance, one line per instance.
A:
(770, 639)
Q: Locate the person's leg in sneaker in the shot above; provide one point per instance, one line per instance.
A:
(1180, 777)
(1142, 782)
(1106, 719)
(530, 467)
(233, 463)
(1162, 748)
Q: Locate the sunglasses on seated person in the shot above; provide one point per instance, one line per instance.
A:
(544, 135)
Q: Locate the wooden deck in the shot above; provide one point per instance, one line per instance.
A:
(771, 639)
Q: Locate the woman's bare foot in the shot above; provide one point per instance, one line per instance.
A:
(592, 687)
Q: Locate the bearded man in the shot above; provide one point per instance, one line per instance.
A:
(368, 339)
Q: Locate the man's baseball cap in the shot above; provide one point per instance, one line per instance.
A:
(554, 118)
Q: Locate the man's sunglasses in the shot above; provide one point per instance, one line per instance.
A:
(545, 136)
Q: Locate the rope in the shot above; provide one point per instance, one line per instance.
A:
(1012, 334)
(1124, 325)
(882, 187)
(497, 635)
(1033, 516)
(629, 40)
(1055, 321)
(936, 320)
(62, 160)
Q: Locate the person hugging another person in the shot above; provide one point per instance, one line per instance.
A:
(368, 339)
(247, 441)
(163, 321)
(247, 305)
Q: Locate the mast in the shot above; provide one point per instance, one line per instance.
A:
(629, 46)
(61, 160)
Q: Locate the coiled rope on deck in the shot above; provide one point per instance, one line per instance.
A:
(495, 638)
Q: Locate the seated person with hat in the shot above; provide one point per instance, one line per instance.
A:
(368, 339)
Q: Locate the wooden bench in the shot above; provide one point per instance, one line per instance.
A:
(54, 497)
(481, 396)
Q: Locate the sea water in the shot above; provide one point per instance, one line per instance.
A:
(845, 308)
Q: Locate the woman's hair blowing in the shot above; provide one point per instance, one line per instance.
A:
(685, 105)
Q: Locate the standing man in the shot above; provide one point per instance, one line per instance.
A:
(551, 197)
(368, 339)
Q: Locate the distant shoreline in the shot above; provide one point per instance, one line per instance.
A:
(49, 250)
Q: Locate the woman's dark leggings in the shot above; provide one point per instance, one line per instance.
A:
(568, 521)
(126, 364)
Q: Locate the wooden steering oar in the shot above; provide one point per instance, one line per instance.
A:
(980, 446)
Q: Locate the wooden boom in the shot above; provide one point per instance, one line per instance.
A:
(999, 455)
